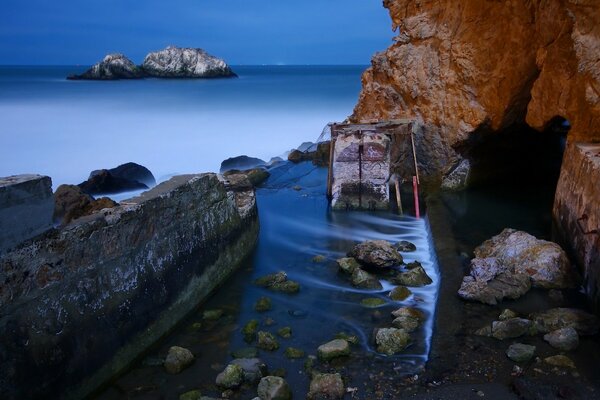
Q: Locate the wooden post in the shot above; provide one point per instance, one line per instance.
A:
(398, 198)
(416, 195)
(412, 140)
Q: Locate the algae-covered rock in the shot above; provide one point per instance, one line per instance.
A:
(364, 280)
(263, 304)
(399, 293)
(414, 278)
(278, 282)
(520, 352)
(285, 332)
(326, 386)
(292, 352)
(249, 330)
(565, 339)
(405, 246)
(274, 388)
(391, 341)
(191, 395)
(333, 349)
(212, 315)
(372, 302)
(267, 341)
(231, 377)
(376, 254)
(178, 358)
(348, 264)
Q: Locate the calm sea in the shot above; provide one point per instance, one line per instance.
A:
(65, 129)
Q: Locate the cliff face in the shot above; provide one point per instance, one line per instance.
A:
(463, 65)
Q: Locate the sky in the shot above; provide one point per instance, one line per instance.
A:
(243, 32)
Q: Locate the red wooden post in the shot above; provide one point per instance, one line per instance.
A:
(416, 193)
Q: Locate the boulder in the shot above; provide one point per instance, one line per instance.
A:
(415, 277)
(376, 254)
(333, 349)
(544, 262)
(364, 280)
(520, 352)
(70, 203)
(231, 377)
(348, 264)
(267, 341)
(274, 388)
(512, 328)
(103, 182)
(557, 318)
(178, 359)
(326, 387)
(177, 62)
(253, 369)
(241, 163)
(565, 339)
(391, 341)
(212, 314)
(405, 246)
(112, 67)
(132, 172)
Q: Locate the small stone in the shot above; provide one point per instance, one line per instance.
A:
(285, 332)
(292, 352)
(278, 282)
(263, 304)
(348, 264)
(297, 188)
(399, 293)
(231, 377)
(520, 352)
(191, 395)
(507, 314)
(318, 259)
(416, 277)
(178, 358)
(560, 361)
(391, 341)
(565, 339)
(376, 253)
(512, 328)
(246, 352)
(352, 339)
(333, 349)
(249, 330)
(364, 280)
(267, 341)
(326, 386)
(372, 302)
(405, 246)
(212, 315)
(274, 388)
(197, 326)
(253, 368)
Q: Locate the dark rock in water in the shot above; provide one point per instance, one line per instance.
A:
(178, 358)
(407, 318)
(267, 341)
(532, 389)
(112, 67)
(278, 282)
(557, 318)
(285, 332)
(263, 304)
(326, 386)
(364, 280)
(292, 352)
(512, 328)
(274, 388)
(348, 264)
(231, 377)
(416, 277)
(130, 171)
(560, 361)
(565, 339)
(405, 246)
(253, 369)
(241, 163)
(376, 253)
(249, 330)
(70, 203)
(391, 341)
(333, 349)
(103, 182)
(245, 352)
(520, 352)
(399, 293)
(177, 62)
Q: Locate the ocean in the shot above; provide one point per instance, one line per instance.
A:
(65, 129)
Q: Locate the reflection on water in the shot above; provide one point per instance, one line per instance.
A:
(296, 225)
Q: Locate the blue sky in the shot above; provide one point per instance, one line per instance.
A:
(241, 31)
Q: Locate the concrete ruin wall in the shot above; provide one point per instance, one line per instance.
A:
(77, 305)
(577, 211)
(26, 207)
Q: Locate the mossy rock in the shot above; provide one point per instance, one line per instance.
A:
(416, 277)
(292, 352)
(333, 349)
(285, 332)
(399, 293)
(191, 395)
(348, 264)
(263, 304)
(372, 302)
(249, 330)
(267, 341)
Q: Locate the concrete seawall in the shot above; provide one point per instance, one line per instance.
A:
(81, 303)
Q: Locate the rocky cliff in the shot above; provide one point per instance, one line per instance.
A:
(467, 66)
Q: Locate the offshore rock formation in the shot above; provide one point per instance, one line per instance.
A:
(139, 267)
(469, 66)
(112, 67)
(177, 62)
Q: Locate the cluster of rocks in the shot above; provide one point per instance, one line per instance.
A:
(172, 62)
(509, 264)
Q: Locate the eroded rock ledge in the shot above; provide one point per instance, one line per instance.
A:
(461, 67)
(78, 304)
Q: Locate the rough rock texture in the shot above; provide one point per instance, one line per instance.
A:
(253, 369)
(577, 212)
(461, 66)
(131, 171)
(112, 67)
(415, 277)
(364, 280)
(177, 62)
(274, 388)
(26, 208)
(376, 253)
(326, 387)
(317, 153)
(391, 341)
(70, 203)
(565, 339)
(178, 358)
(520, 352)
(139, 267)
(231, 377)
(512, 328)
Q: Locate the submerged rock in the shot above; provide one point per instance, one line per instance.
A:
(253, 369)
(231, 377)
(274, 388)
(266, 341)
(326, 386)
(364, 280)
(263, 304)
(405, 246)
(333, 349)
(507, 314)
(213, 314)
(391, 341)
(348, 264)
(512, 328)
(245, 352)
(178, 358)
(113, 66)
(565, 339)
(557, 318)
(177, 62)
(278, 282)
(285, 332)
(70, 203)
(352, 339)
(416, 277)
(241, 163)
(520, 352)
(399, 293)
(376, 254)
(372, 302)
(407, 318)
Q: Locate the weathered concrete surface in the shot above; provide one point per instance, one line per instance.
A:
(26, 208)
(79, 304)
(577, 211)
